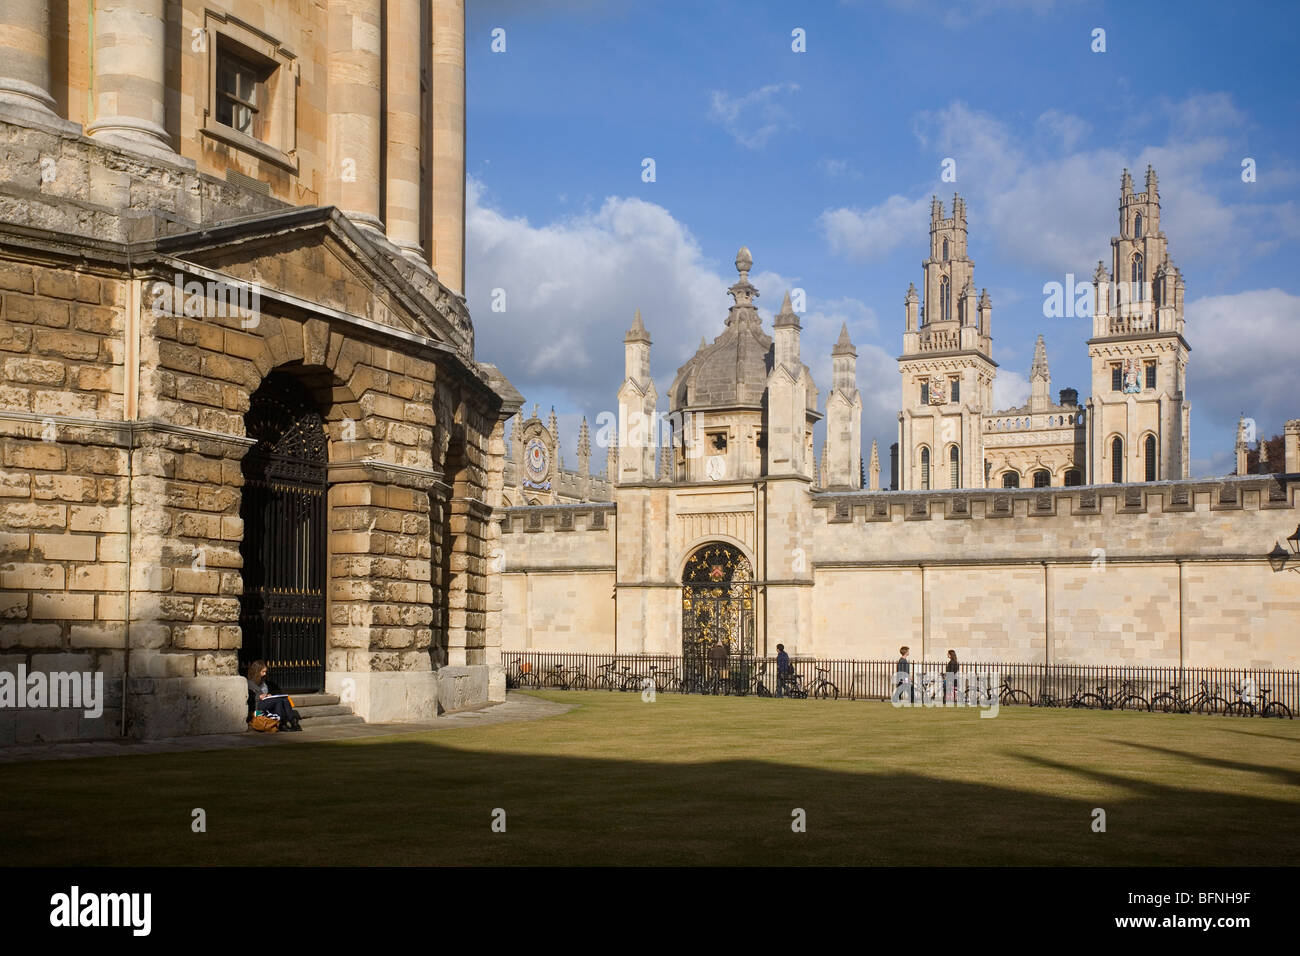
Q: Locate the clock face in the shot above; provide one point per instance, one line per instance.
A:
(537, 459)
(715, 467)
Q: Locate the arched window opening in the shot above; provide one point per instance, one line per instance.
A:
(925, 468)
(1139, 277)
(1042, 478)
(1072, 478)
(1117, 460)
(1149, 454)
(1010, 479)
(945, 250)
(945, 299)
(954, 467)
(1137, 226)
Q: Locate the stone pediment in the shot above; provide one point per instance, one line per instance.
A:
(318, 256)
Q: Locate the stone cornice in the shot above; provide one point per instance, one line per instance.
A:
(124, 430)
(373, 469)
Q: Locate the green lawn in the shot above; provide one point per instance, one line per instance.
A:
(689, 780)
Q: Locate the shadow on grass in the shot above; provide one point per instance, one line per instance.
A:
(419, 801)
(1288, 777)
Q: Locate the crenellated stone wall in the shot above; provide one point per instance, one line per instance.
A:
(1159, 573)
(557, 571)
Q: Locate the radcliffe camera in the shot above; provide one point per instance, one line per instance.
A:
(446, 439)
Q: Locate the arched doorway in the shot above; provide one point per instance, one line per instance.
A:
(282, 608)
(717, 604)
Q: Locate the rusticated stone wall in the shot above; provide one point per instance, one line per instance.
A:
(122, 431)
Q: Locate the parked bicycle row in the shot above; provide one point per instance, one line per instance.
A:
(811, 679)
(739, 679)
(1209, 699)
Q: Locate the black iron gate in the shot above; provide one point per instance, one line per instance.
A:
(718, 607)
(282, 610)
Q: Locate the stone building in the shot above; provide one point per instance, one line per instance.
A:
(736, 536)
(240, 410)
(1136, 425)
(534, 468)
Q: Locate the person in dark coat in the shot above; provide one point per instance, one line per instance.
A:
(950, 678)
(904, 675)
(261, 697)
(718, 664)
(783, 670)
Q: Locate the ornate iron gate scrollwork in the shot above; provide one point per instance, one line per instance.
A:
(717, 604)
(282, 609)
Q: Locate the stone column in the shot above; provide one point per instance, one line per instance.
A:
(130, 76)
(447, 241)
(354, 75)
(25, 49)
(402, 205)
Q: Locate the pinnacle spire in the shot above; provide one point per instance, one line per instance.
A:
(637, 333)
(1039, 368)
(584, 440)
(843, 345)
(743, 292)
(786, 317)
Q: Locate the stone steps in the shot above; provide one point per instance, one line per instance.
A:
(323, 710)
(314, 722)
(314, 700)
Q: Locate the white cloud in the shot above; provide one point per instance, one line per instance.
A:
(1065, 127)
(1048, 199)
(956, 16)
(836, 168)
(1010, 390)
(572, 287)
(871, 233)
(1245, 352)
(752, 119)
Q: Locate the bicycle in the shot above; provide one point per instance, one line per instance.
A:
(1011, 695)
(522, 676)
(821, 688)
(1126, 698)
(606, 679)
(1241, 707)
(1169, 702)
(565, 678)
(632, 680)
(1079, 698)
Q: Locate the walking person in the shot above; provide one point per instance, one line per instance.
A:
(903, 674)
(783, 669)
(950, 678)
(718, 664)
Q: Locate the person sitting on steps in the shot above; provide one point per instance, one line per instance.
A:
(264, 696)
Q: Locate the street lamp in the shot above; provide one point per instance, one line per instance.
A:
(1279, 558)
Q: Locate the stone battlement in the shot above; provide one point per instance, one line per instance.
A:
(1234, 493)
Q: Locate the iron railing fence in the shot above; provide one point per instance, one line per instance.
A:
(875, 680)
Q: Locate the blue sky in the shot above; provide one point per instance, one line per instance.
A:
(823, 164)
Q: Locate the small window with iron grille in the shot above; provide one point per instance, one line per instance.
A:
(1116, 378)
(1151, 374)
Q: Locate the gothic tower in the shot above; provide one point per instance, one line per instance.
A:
(636, 409)
(787, 400)
(843, 446)
(1138, 415)
(947, 366)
